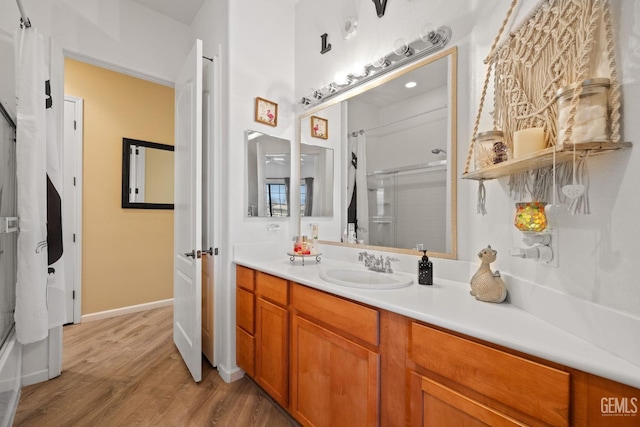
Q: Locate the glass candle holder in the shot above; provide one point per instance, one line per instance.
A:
(530, 217)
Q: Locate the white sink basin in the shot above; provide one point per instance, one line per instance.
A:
(360, 278)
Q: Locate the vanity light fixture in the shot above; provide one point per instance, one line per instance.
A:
(430, 41)
(400, 47)
(379, 61)
(342, 79)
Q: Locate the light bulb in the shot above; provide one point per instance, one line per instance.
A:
(341, 78)
(427, 32)
(400, 47)
(379, 61)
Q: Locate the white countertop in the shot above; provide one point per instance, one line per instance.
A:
(448, 304)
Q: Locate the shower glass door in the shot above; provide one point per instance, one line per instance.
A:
(382, 209)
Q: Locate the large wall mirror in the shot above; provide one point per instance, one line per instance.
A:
(268, 186)
(397, 159)
(147, 175)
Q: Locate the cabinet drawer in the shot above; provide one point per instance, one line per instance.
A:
(245, 278)
(245, 310)
(434, 404)
(245, 351)
(346, 316)
(534, 389)
(272, 288)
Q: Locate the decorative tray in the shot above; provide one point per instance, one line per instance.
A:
(294, 255)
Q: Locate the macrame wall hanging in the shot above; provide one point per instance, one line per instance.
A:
(559, 43)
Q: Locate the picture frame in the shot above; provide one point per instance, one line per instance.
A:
(266, 112)
(319, 127)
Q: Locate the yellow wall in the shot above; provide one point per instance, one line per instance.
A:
(126, 253)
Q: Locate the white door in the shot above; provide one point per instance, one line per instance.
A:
(187, 268)
(72, 206)
(210, 158)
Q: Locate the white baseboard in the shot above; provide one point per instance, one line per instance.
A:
(230, 375)
(35, 377)
(126, 310)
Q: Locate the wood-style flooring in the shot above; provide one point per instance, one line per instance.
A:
(126, 371)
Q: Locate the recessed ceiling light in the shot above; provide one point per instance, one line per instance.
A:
(409, 85)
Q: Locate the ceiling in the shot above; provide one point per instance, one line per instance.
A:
(427, 78)
(181, 10)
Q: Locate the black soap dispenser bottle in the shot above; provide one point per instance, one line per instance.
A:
(425, 270)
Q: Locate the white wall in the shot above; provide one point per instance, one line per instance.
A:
(329, 227)
(255, 41)
(121, 33)
(597, 251)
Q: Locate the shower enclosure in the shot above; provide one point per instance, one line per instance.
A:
(10, 350)
(406, 205)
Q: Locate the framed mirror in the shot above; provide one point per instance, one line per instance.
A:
(147, 175)
(396, 164)
(268, 182)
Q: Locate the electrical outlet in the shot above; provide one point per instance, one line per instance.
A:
(554, 245)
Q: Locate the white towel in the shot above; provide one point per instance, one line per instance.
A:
(31, 313)
(351, 171)
(362, 196)
(54, 116)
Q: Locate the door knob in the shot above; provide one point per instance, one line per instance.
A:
(208, 251)
(193, 254)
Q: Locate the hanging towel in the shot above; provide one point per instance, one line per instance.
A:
(54, 109)
(362, 193)
(31, 315)
(352, 161)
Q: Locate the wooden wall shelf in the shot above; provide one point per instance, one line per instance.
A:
(544, 158)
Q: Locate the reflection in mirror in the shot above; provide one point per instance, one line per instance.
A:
(316, 181)
(268, 175)
(147, 175)
(398, 159)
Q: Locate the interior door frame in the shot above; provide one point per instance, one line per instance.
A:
(76, 151)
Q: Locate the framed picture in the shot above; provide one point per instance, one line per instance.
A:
(266, 112)
(319, 127)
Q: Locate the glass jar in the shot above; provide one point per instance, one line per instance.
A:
(591, 122)
(530, 216)
(484, 149)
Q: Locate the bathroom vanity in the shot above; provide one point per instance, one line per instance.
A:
(331, 356)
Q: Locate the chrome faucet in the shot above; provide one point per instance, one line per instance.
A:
(387, 264)
(369, 259)
(381, 264)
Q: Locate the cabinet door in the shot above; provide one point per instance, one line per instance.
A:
(334, 381)
(245, 351)
(272, 343)
(433, 404)
(245, 311)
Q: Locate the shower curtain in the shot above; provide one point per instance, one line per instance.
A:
(357, 181)
(40, 287)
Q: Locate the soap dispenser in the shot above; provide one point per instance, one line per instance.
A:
(425, 270)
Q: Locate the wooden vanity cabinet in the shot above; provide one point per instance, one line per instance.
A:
(331, 361)
(245, 319)
(272, 336)
(466, 382)
(335, 360)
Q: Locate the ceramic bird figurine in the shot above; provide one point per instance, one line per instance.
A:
(485, 284)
